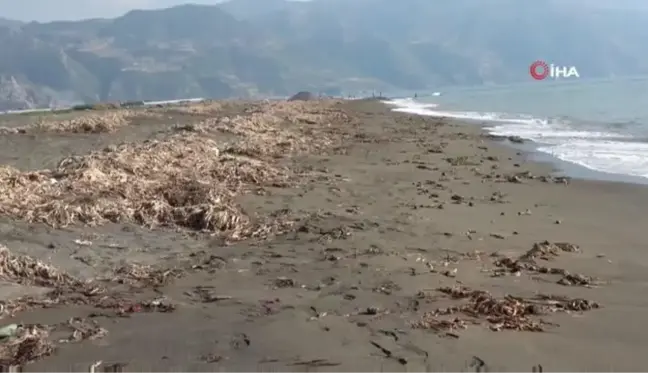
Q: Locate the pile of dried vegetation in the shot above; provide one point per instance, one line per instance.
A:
(183, 181)
(276, 129)
(94, 122)
(324, 112)
(186, 180)
(99, 122)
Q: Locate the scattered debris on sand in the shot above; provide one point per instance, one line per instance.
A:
(575, 279)
(108, 293)
(82, 330)
(506, 313)
(145, 276)
(23, 344)
(183, 180)
(544, 251)
(29, 343)
(348, 239)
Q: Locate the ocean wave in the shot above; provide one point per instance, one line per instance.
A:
(410, 104)
(598, 149)
(615, 157)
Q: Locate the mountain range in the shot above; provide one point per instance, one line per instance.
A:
(261, 48)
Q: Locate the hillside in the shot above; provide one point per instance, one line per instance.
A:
(273, 47)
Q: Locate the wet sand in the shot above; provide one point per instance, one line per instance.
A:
(413, 205)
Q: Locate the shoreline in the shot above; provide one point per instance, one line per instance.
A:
(565, 168)
(530, 147)
(417, 244)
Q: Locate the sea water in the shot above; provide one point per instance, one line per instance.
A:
(600, 125)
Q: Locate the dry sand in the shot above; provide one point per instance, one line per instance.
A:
(396, 243)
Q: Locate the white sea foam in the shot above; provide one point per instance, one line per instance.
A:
(597, 150)
(410, 104)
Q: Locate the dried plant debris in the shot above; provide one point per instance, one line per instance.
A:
(506, 313)
(566, 304)
(66, 290)
(158, 305)
(198, 108)
(25, 270)
(180, 182)
(284, 282)
(326, 227)
(558, 179)
(278, 128)
(206, 294)
(23, 344)
(519, 177)
(83, 330)
(124, 307)
(575, 279)
(462, 161)
(547, 250)
(29, 343)
(32, 342)
(387, 287)
(183, 181)
(544, 251)
(431, 322)
(54, 298)
(143, 275)
(270, 135)
(96, 122)
(508, 265)
(120, 302)
(92, 123)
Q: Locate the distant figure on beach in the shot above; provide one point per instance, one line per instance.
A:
(415, 95)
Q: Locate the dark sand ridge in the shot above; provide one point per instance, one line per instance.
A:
(384, 225)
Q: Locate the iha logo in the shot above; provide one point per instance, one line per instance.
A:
(540, 70)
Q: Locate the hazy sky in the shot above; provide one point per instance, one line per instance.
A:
(48, 10)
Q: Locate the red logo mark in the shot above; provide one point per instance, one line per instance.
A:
(539, 70)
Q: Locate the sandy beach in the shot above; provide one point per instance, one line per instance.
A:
(309, 236)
